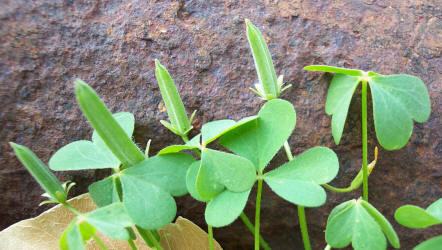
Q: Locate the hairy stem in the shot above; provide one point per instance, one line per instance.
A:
(301, 210)
(250, 226)
(364, 141)
(257, 213)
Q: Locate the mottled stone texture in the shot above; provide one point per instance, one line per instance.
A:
(112, 44)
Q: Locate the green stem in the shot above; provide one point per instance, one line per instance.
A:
(257, 213)
(338, 190)
(250, 226)
(364, 141)
(154, 240)
(210, 229)
(68, 206)
(99, 242)
(288, 151)
(132, 244)
(301, 210)
(304, 229)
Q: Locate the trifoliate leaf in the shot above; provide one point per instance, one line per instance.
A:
(299, 180)
(221, 170)
(359, 224)
(397, 101)
(104, 192)
(261, 139)
(225, 208)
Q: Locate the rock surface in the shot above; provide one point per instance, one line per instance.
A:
(112, 44)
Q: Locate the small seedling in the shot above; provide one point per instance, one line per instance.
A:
(397, 101)
(140, 191)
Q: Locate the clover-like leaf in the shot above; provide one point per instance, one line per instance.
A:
(76, 235)
(191, 176)
(220, 170)
(351, 222)
(91, 155)
(259, 140)
(397, 101)
(166, 171)
(111, 220)
(299, 180)
(106, 126)
(148, 186)
(148, 205)
(338, 101)
(431, 244)
(215, 129)
(104, 192)
(225, 208)
(416, 217)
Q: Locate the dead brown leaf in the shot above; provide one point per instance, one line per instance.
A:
(44, 231)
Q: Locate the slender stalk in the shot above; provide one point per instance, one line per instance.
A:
(257, 213)
(304, 229)
(154, 240)
(251, 227)
(144, 236)
(364, 141)
(132, 244)
(301, 210)
(99, 242)
(68, 206)
(210, 229)
(338, 190)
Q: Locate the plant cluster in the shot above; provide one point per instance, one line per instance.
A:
(138, 195)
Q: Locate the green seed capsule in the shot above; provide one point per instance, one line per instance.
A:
(180, 123)
(268, 83)
(40, 172)
(106, 126)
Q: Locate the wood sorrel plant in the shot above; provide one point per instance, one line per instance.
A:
(397, 101)
(140, 191)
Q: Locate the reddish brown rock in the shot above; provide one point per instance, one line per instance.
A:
(112, 46)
